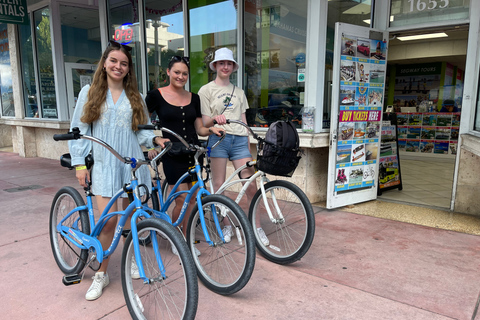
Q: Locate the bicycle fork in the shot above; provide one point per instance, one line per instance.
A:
(280, 219)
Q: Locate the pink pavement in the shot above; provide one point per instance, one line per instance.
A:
(358, 267)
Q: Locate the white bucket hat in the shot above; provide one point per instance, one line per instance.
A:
(221, 55)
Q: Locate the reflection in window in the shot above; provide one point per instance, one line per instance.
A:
(80, 35)
(213, 25)
(421, 11)
(165, 39)
(6, 90)
(81, 48)
(275, 46)
(125, 29)
(45, 63)
(348, 11)
(28, 71)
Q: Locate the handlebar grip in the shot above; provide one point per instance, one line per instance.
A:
(146, 127)
(71, 135)
(64, 136)
(215, 121)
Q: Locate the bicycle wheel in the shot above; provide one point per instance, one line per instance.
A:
(173, 295)
(70, 258)
(289, 238)
(224, 268)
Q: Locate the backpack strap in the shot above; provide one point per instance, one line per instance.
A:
(284, 134)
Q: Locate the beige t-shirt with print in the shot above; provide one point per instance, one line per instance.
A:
(216, 99)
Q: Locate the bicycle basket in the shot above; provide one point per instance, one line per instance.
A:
(276, 160)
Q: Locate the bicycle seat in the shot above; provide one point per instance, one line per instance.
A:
(66, 161)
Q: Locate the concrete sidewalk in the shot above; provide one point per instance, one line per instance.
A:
(359, 267)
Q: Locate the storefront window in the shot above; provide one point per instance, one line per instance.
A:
(349, 11)
(408, 12)
(125, 29)
(45, 63)
(165, 39)
(213, 25)
(275, 47)
(28, 71)
(81, 48)
(6, 90)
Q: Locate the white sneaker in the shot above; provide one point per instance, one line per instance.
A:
(134, 269)
(263, 237)
(227, 233)
(100, 281)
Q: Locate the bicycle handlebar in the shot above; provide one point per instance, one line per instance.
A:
(189, 146)
(243, 124)
(75, 135)
(157, 127)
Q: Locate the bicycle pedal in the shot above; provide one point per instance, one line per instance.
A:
(71, 279)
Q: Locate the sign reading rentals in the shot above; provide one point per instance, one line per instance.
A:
(13, 11)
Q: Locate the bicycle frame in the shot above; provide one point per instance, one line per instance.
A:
(90, 241)
(263, 180)
(199, 186)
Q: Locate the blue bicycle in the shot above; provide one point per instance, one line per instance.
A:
(167, 287)
(224, 267)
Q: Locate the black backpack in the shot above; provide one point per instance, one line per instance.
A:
(279, 152)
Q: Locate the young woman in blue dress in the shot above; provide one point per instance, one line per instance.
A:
(112, 108)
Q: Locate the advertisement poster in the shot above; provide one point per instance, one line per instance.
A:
(429, 132)
(389, 163)
(362, 66)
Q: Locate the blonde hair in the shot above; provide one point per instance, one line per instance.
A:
(99, 87)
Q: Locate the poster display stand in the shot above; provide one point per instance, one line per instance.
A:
(358, 90)
(389, 172)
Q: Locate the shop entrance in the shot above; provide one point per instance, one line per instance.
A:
(424, 86)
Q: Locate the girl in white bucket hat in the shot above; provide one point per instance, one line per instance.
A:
(223, 54)
(221, 100)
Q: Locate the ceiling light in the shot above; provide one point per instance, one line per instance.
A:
(423, 36)
(367, 21)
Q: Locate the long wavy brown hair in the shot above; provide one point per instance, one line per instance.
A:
(99, 87)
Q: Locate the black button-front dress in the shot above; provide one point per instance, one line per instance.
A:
(181, 120)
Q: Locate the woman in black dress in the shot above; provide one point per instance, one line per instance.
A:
(179, 111)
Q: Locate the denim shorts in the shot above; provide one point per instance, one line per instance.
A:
(232, 147)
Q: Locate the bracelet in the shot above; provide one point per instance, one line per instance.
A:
(210, 130)
(151, 149)
(80, 168)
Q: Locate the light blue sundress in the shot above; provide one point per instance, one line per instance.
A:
(115, 128)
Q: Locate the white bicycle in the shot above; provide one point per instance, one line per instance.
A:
(279, 209)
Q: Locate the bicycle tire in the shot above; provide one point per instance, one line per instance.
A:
(165, 190)
(289, 240)
(70, 258)
(155, 201)
(224, 268)
(174, 296)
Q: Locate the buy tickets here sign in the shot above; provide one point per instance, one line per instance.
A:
(359, 115)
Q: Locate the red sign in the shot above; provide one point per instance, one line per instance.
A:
(124, 34)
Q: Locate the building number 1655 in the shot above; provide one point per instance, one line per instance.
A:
(428, 4)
